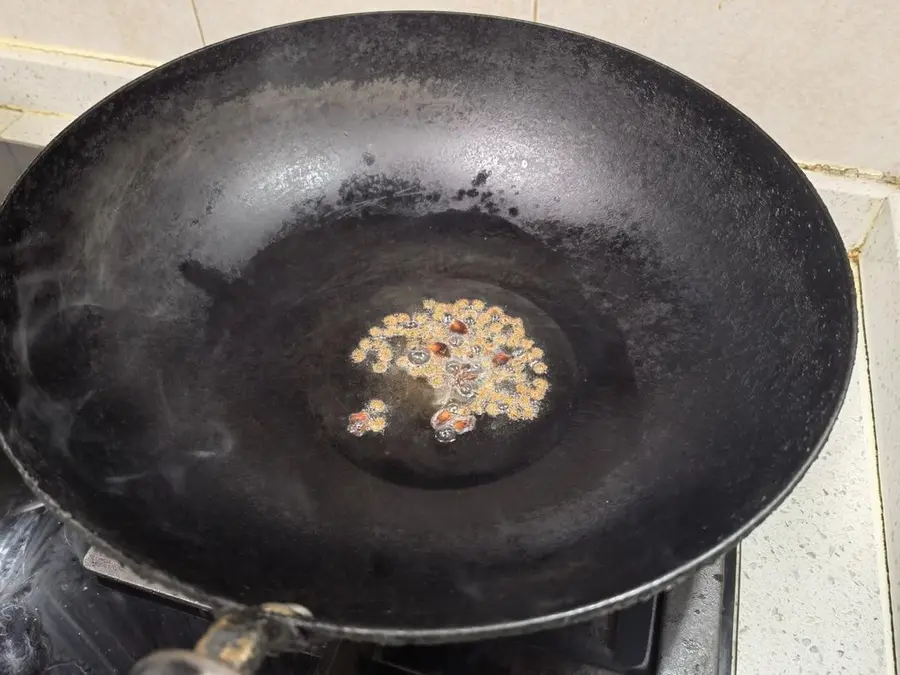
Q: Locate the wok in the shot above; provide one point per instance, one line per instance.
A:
(189, 267)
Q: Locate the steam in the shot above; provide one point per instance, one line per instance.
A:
(82, 364)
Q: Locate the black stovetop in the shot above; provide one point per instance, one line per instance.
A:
(58, 618)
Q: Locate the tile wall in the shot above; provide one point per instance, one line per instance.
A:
(819, 75)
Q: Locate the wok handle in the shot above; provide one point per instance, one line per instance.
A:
(180, 662)
(235, 644)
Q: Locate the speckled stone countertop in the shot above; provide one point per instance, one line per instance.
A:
(813, 583)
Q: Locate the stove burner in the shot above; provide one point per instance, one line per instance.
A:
(624, 642)
(56, 618)
(688, 629)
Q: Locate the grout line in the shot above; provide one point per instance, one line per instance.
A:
(534, 10)
(736, 626)
(875, 212)
(28, 111)
(79, 53)
(872, 442)
(200, 25)
(850, 172)
(13, 121)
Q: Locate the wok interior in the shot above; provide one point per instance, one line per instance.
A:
(193, 260)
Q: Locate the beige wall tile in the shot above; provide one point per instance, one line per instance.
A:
(819, 75)
(225, 18)
(58, 83)
(852, 203)
(156, 30)
(34, 130)
(7, 117)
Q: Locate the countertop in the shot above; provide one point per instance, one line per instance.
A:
(813, 594)
(813, 587)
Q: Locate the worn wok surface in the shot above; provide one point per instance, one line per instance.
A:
(187, 268)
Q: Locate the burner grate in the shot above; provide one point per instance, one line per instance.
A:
(624, 642)
(688, 629)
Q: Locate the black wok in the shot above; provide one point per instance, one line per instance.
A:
(188, 267)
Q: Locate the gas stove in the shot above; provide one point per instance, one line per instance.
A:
(66, 607)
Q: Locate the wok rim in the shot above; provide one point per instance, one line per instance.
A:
(401, 635)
